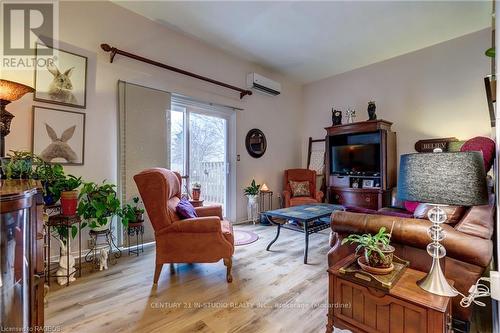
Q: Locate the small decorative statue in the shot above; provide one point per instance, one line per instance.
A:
(63, 262)
(103, 259)
(351, 114)
(336, 117)
(371, 110)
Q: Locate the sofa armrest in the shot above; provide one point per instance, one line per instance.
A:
(212, 210)
(287, 196)
(195, 225)
(413, 232)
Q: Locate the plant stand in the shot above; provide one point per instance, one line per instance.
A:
(102, 239)
(68, 221)
(136, 229)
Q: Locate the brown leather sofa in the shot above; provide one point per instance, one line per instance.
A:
(205, 239)
(468, 243)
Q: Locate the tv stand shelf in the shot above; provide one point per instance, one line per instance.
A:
(342, 145)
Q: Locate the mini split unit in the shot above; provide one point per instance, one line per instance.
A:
(263, 84)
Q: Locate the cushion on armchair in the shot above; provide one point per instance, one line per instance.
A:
(185, 209)
(300, 189)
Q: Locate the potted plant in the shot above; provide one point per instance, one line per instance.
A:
(49, 174)
(98, 205)
(196, 191)
(67, 189)
(132, 213)
(378, 253)
(19, 164)
(251, 192)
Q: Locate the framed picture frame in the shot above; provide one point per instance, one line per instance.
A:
(367, 183)
(59, 135)
(61, 79)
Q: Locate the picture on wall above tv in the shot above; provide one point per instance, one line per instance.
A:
(347, 159)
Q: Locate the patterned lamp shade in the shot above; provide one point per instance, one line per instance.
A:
(12, 91)
(456, 178)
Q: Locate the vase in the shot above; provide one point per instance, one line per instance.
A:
(69, 202)
(252, 208)
(196, 194)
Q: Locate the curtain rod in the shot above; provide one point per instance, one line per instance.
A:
(114, 51)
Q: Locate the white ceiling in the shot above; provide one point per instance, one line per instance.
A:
(313, 40)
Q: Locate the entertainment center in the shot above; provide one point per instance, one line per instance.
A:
(361, 164)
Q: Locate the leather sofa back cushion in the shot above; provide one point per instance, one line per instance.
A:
(454, 213)
(300, 189)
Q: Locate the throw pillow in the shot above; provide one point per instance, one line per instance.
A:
(411, 205)
(300, 189)
(454, 213)
(185, 209)
(485, 146)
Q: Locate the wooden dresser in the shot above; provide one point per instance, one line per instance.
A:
(21, 262)
(406, 308)
(340, 188)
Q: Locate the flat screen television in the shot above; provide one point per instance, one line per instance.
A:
(355, 158)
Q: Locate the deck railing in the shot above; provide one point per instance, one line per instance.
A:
(211, 176)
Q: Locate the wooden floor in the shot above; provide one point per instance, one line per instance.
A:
(271, 292)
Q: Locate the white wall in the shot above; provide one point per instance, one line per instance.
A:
(84, 26)
(431, 93)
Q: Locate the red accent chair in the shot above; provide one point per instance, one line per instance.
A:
(300, 175)
(205, 239)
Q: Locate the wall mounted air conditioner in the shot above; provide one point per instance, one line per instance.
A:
(263, 84)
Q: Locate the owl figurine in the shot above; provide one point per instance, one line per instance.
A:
(336, 117)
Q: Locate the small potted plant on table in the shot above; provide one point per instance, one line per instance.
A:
(378, 254)
(98, 205)
(67, 189)
(132, 213)
(49, 174)
(196, 191)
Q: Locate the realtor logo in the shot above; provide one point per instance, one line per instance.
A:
(25, 24)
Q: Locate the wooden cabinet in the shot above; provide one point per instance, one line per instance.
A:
(22, 268)
(406, 308)
(349, 189)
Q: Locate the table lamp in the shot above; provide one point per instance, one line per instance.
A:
(264, 188)
(441, 179)
(9, 92)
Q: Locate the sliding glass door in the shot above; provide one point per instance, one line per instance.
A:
(199, 150)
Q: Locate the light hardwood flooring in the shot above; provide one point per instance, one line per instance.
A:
(271, 292)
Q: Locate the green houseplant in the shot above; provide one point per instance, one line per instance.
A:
(19, 164)
(377, 251)
(98, 205)
(67, 189)
(251, 192)
(49, 174)
(132, 213)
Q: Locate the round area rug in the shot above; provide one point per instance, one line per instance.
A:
(242, 237)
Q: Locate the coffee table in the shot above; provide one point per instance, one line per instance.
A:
(307, 219)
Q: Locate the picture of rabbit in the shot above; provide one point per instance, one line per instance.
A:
(59, 135)
(60, 89)
(62, 79)
(59, 148)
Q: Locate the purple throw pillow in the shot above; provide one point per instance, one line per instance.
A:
(185, 209)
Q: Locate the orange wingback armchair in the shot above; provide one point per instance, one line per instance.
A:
(205, 239)
(300, 175)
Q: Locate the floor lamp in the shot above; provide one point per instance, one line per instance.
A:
(441, 179)
(9, 92)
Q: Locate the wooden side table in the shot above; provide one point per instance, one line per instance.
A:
(406, 308)
(196, 203)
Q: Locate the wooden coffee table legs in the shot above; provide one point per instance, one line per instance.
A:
(275, 238)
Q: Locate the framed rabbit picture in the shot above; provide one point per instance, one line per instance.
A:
(61, 79)
(59, 135)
